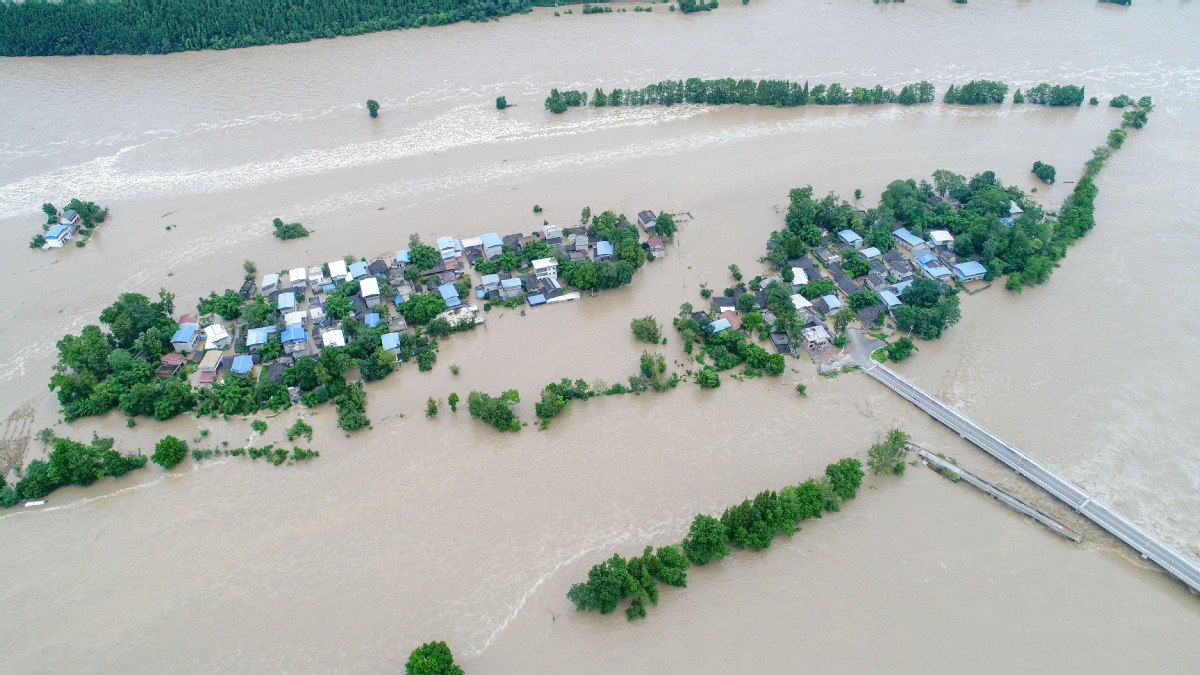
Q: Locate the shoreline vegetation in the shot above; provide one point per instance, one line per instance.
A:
(76, 218)
(752, 524)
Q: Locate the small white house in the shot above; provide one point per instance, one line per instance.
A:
(333, 338)
(647, 220)
(270, 283)
(369, 288)
(216, 337)
(296, 318)
(552, 232)
(185, 338)
(942, 238)
(545, 268)
(298, 277)
(338, 272)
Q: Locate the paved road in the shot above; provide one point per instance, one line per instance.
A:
(1185, 569)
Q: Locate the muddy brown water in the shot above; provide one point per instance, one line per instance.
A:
(442, 529)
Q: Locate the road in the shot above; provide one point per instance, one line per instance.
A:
(1183, 568)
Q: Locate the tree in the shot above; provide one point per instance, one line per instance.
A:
(287, 231)
(736, 272)
(1116, 138)
(373, 107)
(38, 241)
(432, 658)
(1044, 172)
(863, 298)
(452, 399)
(845, 477)
(168, 452)
(646, 329)
(131, 315)
(501, 103)
(746, 302)
(51, 213)
(706, 540)
(431, 407)
(752, 321)
(227, 306)
(900, 349)
(608, 583)
(708, 378)
(665, 226)
(422, 308)
(817, 288)
(842, 318)
(888, 456)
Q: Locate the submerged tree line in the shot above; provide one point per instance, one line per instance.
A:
(779, 93)
(69, 27)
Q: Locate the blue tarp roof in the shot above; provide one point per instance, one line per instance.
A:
(870, 252)
(849, 236)
(515, 282)
(832, 302)
(969, 268)
(889, 298)
(56, 231)
(294, 334)
(286, 301)
(185, 333)
(397, 299)
(328, 288)
(907, 237)
(491, 279)
(448, 292)
(258, 336)
(403, 256)
(358, 269)
(390, 340)
(241, 364)
(491, 239)
(371, 320)
(604, 248)
(1008, 222)
(720, 325)
(535, 300)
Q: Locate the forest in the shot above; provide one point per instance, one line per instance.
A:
(70, 27)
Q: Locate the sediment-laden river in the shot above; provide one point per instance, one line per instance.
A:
(443, 529)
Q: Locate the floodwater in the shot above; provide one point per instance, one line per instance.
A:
(443, 529)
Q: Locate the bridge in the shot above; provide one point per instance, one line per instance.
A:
(1182, 567)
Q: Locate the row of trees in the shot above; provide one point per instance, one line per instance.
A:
(1057, 95)
(751, 524)
(779, 93)
(979, 92)
(48, 28)
(69, 463)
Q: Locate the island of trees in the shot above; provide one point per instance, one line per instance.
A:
(47, 28)
(779, 93)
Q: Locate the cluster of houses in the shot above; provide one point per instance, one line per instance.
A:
(890, 274)
(64, 230)
(299, 298)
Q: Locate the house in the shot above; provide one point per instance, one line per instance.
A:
(724, 302)
(490, 282)
(510, 288)
(247, 290)
(815, 337)
(296, 318)
(890, 300)
(545, 268)
(876, 282)
(937, 272)
(657, 249)
(810, 268)
(720, 325)
(831, 302)
(333, 338)
(369, 289)
(731, 316)
(216, 337)
(242, 363)
(298, 278)
(270, 283)
(512, 241)
(647, 220)
(275, 371)
(926, 259)
(449, 247)
(371, 320)
(899, 288)
(450, 295)
(800, 302)
(391, 343)
(357, 270)
(905, 239)
(553, 233)
(604, 250)
(169, 364)
(403, 257)
(581, 242)
(286, 302)
(781, 343)
(870, 253)
(58, 235)
(941, 238)
(493, 245)
(1008, 222)
(186, 337)
(870, 316)
(209, 366)
(844, 283)
(472, 247)
(316, 314)
(536, 300)
(970, 270)
(71, 218)
(851, 238)
(338, 272)
(257, 337)
(827, 255)
(1014, 211)
(799, 276)
(576, 256)
(377, 267)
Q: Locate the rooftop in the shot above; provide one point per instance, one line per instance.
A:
(907, 237)
(832, 302)
(850, 237)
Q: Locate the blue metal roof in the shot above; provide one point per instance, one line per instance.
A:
(720, 325)
(403, 255)
(241, 364)
(514, 282)
(185, 333)
(397, 299)
(900, 287)
(295, 334)
(448, 292)
(270, 280)
(850, 236)
(938, 271)
(969, 268)
(926, 259)
(870, 252)
(604, 248)
(491, 239)
(832, 302)
(453, 302)
(358, 270)
(907, 237)
(444, 243)
(889, 298)
(535, 300)
(371, 320)
(286, 301)
(258, 336)
(491, 279)
(480, 293)
(390, 340)
(56, 231)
